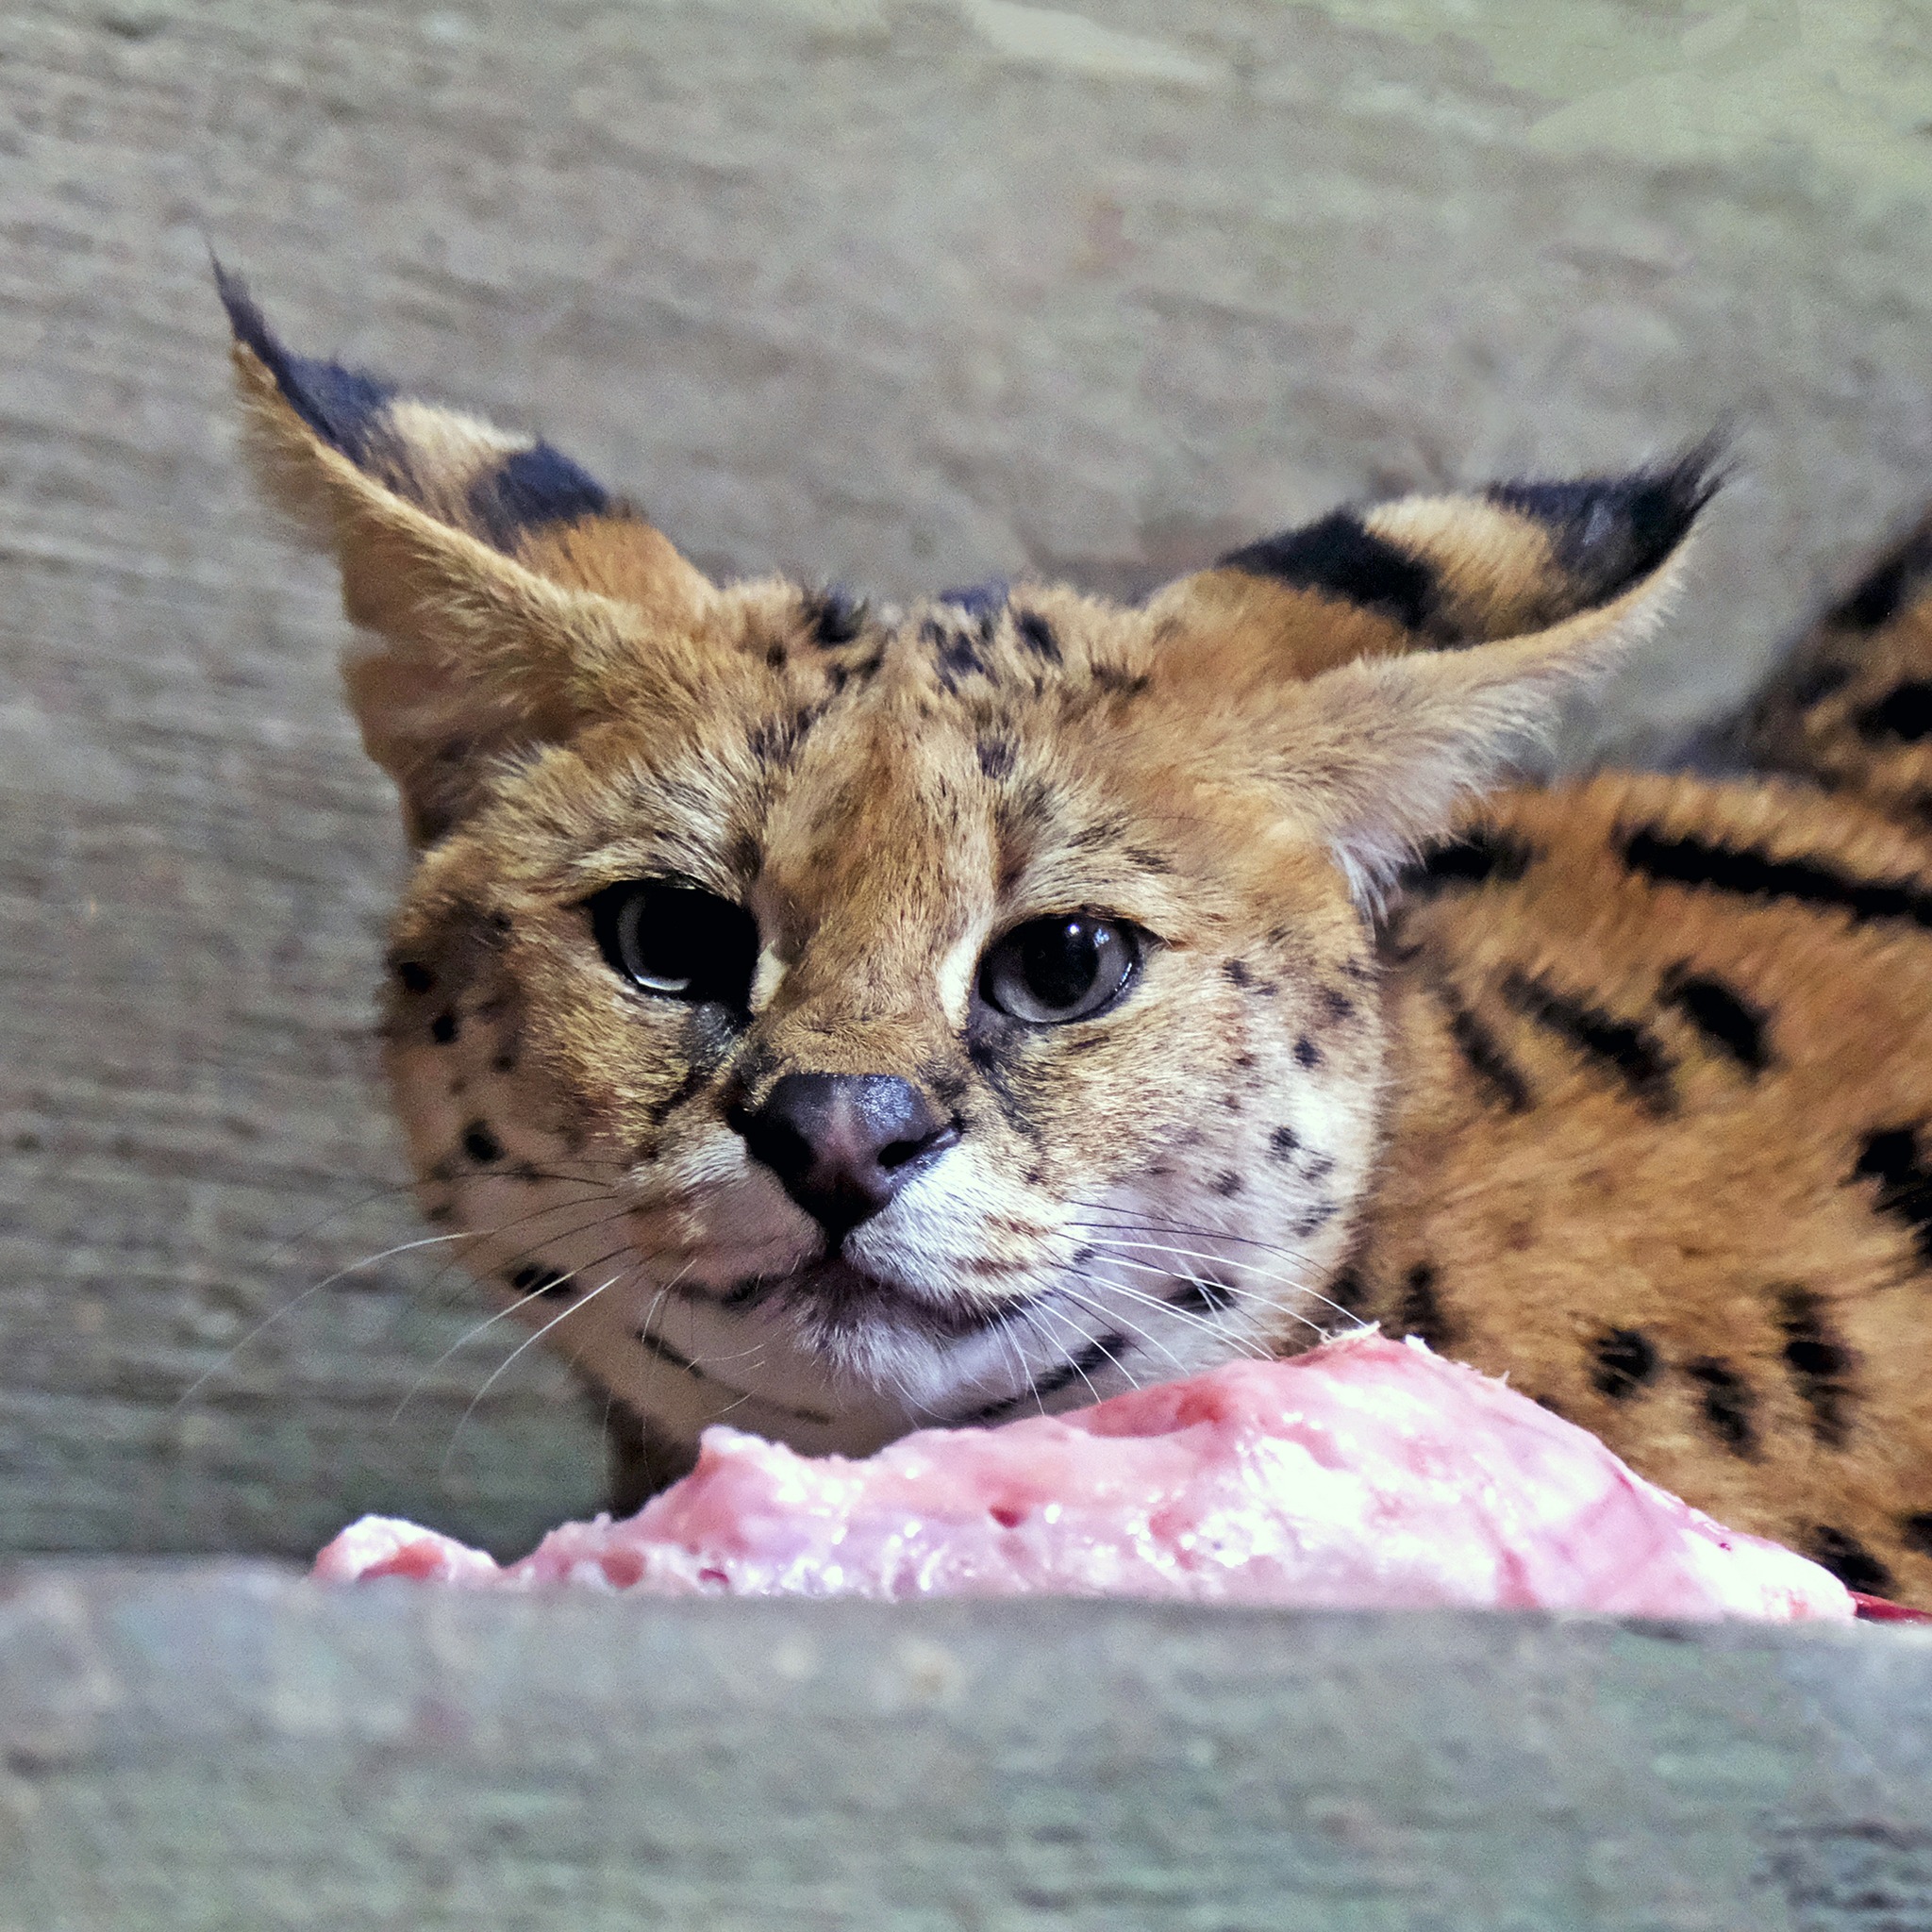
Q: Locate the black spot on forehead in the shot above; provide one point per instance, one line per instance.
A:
(414, 975)
(1037, 635)
(834, 616)
(957, 651)
(1116, 680)
(1338, 557)
(480, 1144)
(996, 753)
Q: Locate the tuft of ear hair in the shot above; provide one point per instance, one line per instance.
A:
(506, 593)
(1391, 660)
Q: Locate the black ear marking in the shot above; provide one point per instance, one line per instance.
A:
(344, 407)
(1609, 532)
(1337, 556)
(1887, 586)
(531, 490)
(1902, 716)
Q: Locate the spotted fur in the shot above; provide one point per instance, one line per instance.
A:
(1619, 1088)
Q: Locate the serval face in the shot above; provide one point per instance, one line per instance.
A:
(834, 1019)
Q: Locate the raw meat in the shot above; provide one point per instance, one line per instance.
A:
(1367, 1474)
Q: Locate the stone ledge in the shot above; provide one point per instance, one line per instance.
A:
(224, 1746)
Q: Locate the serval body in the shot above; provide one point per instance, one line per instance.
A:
(838, 1020)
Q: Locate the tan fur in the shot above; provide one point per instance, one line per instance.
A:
(1618, 1093)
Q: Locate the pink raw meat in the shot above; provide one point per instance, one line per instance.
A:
(1369, 1474)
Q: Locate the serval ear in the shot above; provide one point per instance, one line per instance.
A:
(506, 599)
(1389, 661)
(1851, 707)
(1441, 573)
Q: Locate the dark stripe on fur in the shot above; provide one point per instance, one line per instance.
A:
(1496, 1073)
(1419, 1310)
(1483, 855)
(1819, 1362)
(1621, 1047)
(1728, 1404)
(1624, 1359)
(1721, 1014)
(1689, 860)
(1891, 1157)
(1849, 1560)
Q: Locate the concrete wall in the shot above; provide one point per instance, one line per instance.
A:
(905, 294)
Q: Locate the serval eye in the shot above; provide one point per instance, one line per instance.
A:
(677, 941)
(1068, 966)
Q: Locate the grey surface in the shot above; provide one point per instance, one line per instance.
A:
(233, 1751)
(905, 294)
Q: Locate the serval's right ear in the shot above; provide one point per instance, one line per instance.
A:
(508, 599)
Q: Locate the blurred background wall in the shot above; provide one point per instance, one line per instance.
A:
(900, 294)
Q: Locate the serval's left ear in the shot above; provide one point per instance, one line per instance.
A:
(507, 598)
(1378, 666)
